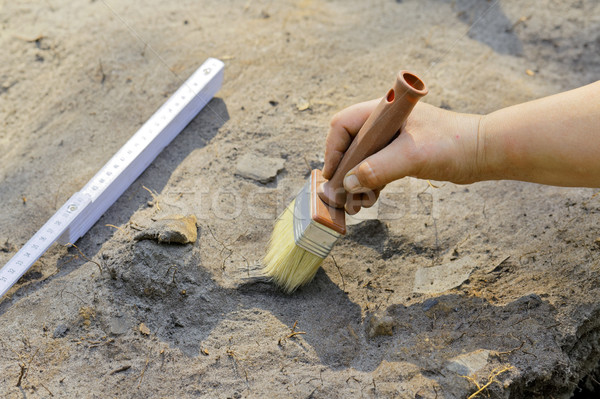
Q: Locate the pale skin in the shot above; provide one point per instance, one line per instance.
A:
(554, 140)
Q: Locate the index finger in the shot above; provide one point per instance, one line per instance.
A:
(343, 127)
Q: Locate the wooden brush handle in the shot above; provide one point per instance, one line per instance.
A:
(379, 129)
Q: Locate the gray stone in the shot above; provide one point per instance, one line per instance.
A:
(259, 168)
(118, 325)
(429, 303)
(171, 229)
(60, 331)
(469, 363)
(437, 279)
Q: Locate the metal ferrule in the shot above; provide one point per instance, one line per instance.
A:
(308, 234)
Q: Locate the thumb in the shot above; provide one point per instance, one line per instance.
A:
(379, 169)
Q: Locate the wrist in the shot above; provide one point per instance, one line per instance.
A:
(491, 162)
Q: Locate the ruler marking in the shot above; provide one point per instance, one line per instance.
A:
(85, 207)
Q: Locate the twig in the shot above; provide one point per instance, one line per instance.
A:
(227, 247)
(69, 292)
(232, 354)
(154, 197)
(433, 185)
(121, 369)
(340, 272)
(116, 227)
(144, 370)
(491, 379)
(293, 333)
(307, 164)
(66, 262)
(23, 369)
(46, 388)
(136, 226)
(519, 21)
(217, 240)
(225, 259)
(584, 203)
(85, 257)
(508, 352)
(30, 40)
(102, 74)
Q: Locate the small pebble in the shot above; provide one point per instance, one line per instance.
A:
(60, 331)
(380, 325)
(428, 304)
(144, 329)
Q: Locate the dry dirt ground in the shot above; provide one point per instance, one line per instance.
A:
(147, 320)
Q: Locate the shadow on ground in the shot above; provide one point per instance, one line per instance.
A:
(183, 304)
(200, 131)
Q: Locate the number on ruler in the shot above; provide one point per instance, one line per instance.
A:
(108, 175)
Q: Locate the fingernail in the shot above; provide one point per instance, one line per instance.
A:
(351, 183)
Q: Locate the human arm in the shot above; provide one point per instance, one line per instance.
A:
(554, 140)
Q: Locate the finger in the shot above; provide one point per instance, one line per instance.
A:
(369, 198)
(391, 163)
(343, 127)
(354, 202)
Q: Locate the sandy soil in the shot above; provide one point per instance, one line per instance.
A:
(78, 78)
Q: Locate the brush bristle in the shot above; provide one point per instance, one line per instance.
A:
(288, 265)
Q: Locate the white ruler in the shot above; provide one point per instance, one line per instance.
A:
(85, 207)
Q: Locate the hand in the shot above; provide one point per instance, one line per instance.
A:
(433, 144)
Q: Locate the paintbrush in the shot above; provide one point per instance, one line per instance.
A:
(306, 231)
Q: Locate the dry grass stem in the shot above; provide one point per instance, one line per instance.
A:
(491, 379)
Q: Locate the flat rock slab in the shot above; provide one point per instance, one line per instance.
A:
(177, 229)
(469, 363)
(437, 279)
(259, 168)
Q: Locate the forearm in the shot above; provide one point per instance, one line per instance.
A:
(554, 140)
